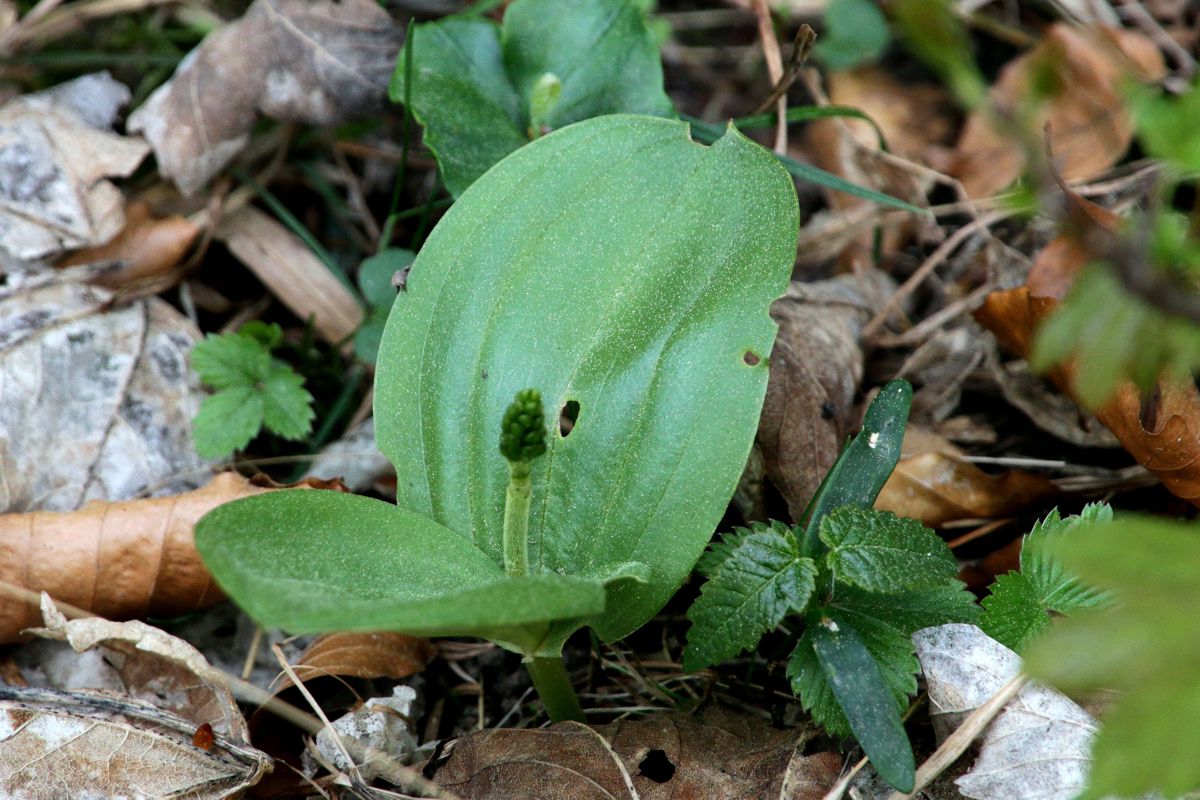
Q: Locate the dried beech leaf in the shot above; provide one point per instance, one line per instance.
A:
(97, 403)
(1087, 121)
(914, 120)
(363, 655)
(669, 755)
(1039, 745)
(317, 63)
(1166, 441)
(123, 559)
(287, 267)
(816, 366)
(934, 484)
(146, 248)
(56, 150)
(74, 744)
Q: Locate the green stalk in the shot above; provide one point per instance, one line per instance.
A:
(516, 520)
(554, 687)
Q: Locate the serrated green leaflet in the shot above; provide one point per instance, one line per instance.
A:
(1145, 646)
(476, 84)
(880, 552)
(860, 472)
(617, 264)
(230, 360)
(855, 680)
(1014, 613)
(748, 595)
(913, 610)
(311, 560)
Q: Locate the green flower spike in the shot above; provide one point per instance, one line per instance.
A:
(523, 431)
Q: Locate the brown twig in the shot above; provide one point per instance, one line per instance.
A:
(774, 59)
(801, 47)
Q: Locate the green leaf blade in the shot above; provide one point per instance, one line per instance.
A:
(227, 421)
(224, 362)
(880, 552)
(315, 560)
(860, 472)
(747, 596)
(693, 246)
(286, 404)
(855, 680)
(1015, 612)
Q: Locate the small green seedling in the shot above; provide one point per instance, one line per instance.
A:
(254, 390)
(862, 581)
(1020, 604)
(624, 273)
(483, 90)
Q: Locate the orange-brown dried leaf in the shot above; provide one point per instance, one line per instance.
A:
(117, 560)
(363, 655)
(669, 755)
(146, 248)
(1087, 120)
(1160, 429)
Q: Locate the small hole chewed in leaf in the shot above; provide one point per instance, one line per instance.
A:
(751, 358)
(657, 766)
(568, 417)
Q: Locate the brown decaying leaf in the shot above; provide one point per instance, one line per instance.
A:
(914, 121)
(667, 756)
(1160, 430)
(1087, 121)
(362, 655)
(816, 366)
(55, 151)
(146, 248)
(289, 269)
(120, 560)
(316, 63)
(97, 402)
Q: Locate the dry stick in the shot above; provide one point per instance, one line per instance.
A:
(770, 48)
(839, 788)
(62, 21)
(935, 259)
(933, 322)
(957, 743)
(801, 46)
(395, 773)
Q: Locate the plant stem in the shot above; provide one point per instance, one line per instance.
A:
(516, 521)
(554, 687)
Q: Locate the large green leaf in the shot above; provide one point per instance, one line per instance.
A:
(312, 561)
(474, 82)
(617, 264)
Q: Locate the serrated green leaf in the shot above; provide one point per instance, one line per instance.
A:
(1145, 646)
(910, 611)
(286, 404)
(720, 549)
(268, 334)
(518, 287)
(1019, 604)
(747, 596)
(891, 648)
(880, 552)
(230, 360)
(1014, 610)
(312, 561)
(227, 421)
(854, 677)
(860, 472)
(474, 84)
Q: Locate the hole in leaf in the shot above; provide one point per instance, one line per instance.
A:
(750, 358)
(657, 767)
(567, 418)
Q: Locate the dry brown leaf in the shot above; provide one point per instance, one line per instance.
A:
(915, 121)
(56, 150)
(293, 274)
(669, 755)
(362, 655)
(81, 745)
(1161, 430)
(816, 366)
(146, 248)
(1088, 122)
(119, 560)
(317, 63)
(97, 403)
(934, 484)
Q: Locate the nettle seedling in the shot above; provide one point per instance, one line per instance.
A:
(623, 272)
(861, 581)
